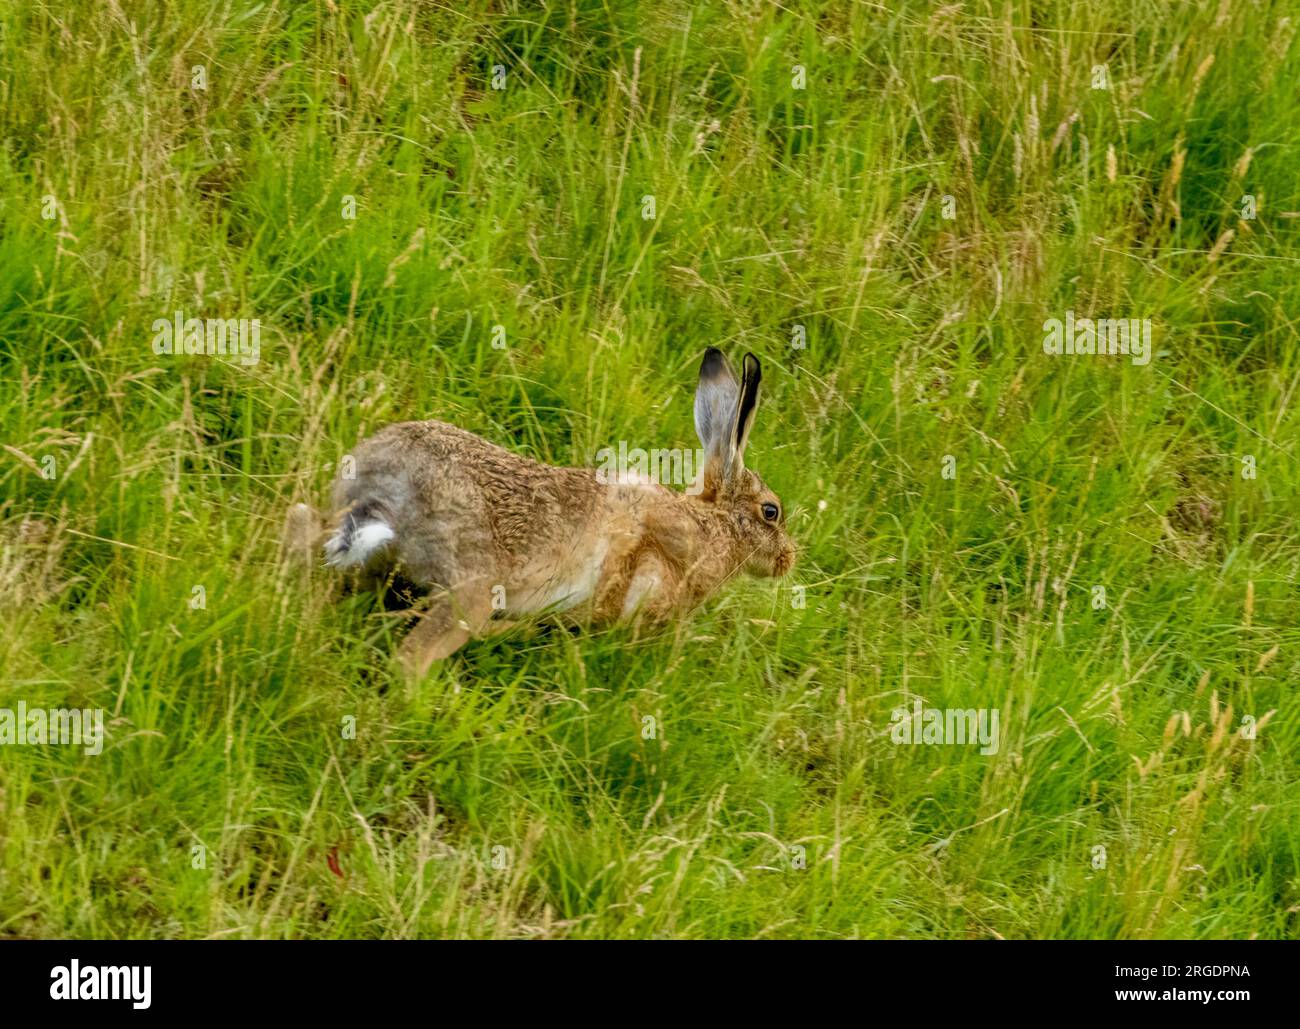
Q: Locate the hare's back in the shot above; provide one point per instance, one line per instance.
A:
(442, 489)
(418, 469)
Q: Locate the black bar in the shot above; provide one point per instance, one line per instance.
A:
(331, 979)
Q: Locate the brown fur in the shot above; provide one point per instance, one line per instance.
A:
(489, 530)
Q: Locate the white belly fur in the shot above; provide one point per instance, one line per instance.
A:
(570, 584)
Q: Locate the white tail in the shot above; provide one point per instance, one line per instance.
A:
(352, 544)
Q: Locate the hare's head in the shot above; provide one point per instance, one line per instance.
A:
(724, 414)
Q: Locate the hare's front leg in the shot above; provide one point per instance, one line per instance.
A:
(636, 586)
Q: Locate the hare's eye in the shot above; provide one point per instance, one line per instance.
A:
(770, 512)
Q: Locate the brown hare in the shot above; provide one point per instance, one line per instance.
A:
(495, 534)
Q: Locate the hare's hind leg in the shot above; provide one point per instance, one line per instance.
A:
(303, 533)
(452, 617)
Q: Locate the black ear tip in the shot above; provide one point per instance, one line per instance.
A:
(752, 366)
(713, 362)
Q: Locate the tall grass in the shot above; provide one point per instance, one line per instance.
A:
(514, 792)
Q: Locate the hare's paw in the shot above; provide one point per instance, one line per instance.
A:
(303, 530)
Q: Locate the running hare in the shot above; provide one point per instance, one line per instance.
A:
(490, 532)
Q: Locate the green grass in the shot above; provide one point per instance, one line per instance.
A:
(512, 793)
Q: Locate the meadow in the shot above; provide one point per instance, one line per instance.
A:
(530, 219)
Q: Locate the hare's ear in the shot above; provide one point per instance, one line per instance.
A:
(746, 408)
(716, 399)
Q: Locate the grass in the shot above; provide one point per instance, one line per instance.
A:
(514, 792)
